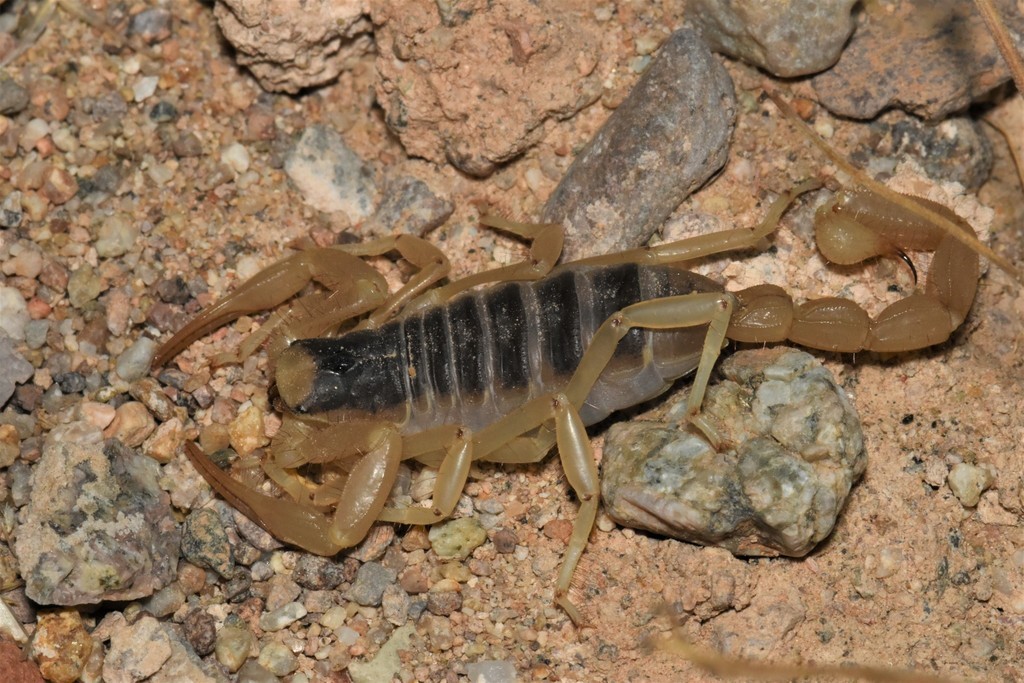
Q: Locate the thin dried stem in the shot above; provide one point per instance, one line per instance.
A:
(1003, 41)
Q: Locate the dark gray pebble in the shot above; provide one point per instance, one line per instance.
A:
(371, 580)
(152, 25)
(13, 96)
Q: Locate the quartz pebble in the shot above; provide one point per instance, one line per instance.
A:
(968, 482)
(233, 644)
(485, 671)
(799, 449)
(276, 658)
(282, 617)
(13, 313)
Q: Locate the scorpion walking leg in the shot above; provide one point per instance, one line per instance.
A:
(504, 440)
(545, 248)
(452, 473)
(431, 261)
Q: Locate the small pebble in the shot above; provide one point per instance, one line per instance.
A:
(84, 286)
(13, 96)
(204, 542)
(132, 424)
(281, 591)
(61, 645)
(317, 573)
(968, 482)
(254, 672)
(237, 157)
(14, 369)
(234, 641)
(246, 431)
(282, 617)
(116, 236)
(505, 541)
(13, 313)
(152, 25)
(133, 364)
(485, 671)
(457, 538)
(145, 87)
(278, 659)
(200, 629)
(371, 579)
(166, 601)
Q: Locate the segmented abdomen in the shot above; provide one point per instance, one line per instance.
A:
(476, 358)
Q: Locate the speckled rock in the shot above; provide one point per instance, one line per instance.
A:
(97, 526)
(61, 645)
(292, 45)
(793, 448)
(14, 369)
(662, 143)
(330, 176)
(426, 50)
(457, 538)
(151, 651)
(204, 542)
(789, 38)
(930, 57)
(954, 150)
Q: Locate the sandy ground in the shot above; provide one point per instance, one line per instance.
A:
(910, 578)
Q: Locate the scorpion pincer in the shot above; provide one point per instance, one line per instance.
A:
(453, 374)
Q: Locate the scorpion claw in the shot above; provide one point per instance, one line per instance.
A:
(294, 523)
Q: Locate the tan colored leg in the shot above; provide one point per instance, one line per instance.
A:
(545, 248)
(451, 475)
(431, 262)
(708, 245)
(372, 452)
(504, 441)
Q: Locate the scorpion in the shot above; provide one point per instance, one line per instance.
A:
(447, 375)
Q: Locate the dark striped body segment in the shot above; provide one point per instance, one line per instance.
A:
(476, 358)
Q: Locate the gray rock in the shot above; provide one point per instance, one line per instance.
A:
(13, 96)
(930, 68)
(663, 142)
(133, 364)
(792, 449)
(371, 580)
(14, 369)
(330, 176)
(97, 526)
(955, 149)
(787, 39)
(409, 206)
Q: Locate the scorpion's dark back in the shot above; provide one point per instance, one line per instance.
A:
(476, 358)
